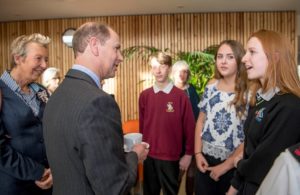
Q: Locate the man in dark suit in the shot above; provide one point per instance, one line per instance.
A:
(82, 123)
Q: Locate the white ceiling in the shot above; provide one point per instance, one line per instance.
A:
(13, 10)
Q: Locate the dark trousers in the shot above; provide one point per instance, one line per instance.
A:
(205, 185)
(161, 174)
(190, 177)
(248, 189)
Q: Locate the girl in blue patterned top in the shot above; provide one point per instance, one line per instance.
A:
(219, 130)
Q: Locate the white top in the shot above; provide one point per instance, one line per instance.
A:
(223, 129)
(283, 178)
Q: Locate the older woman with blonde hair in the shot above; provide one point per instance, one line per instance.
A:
(24, 168)
(51, 79)
(180, 76)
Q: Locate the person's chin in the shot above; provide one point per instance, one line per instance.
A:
(251, 77)
(112, 75)
(35, 77)
(161, 80)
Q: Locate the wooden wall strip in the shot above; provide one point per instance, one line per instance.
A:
(175, 32)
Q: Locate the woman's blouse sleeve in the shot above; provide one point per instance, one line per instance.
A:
(204, 99)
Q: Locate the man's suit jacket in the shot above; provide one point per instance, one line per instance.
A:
(22, 150)
(84, 140)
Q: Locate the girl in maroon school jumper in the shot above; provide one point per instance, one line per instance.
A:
(166, 119)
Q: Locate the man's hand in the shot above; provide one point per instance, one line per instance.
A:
(141, 150)
(46, 181)
(185, 162)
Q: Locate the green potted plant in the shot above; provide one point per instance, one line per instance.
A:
(201, 67)
(201, 63)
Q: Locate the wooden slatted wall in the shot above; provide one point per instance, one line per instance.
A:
(176, 32)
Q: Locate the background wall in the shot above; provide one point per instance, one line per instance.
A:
(298, 25)
(177, 32)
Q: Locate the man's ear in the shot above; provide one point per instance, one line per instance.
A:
(93, 44)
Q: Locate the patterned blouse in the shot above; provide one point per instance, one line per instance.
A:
(223, 129)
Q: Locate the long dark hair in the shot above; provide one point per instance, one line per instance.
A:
(240, 100)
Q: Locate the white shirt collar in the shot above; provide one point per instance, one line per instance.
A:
(88, 72)
(166, 90)
(269, 94)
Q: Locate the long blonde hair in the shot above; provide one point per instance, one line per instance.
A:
(282, 68)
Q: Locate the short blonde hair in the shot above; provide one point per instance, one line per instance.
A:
(19, 45)
(49, 74)
(162, 58)
(181, 64)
